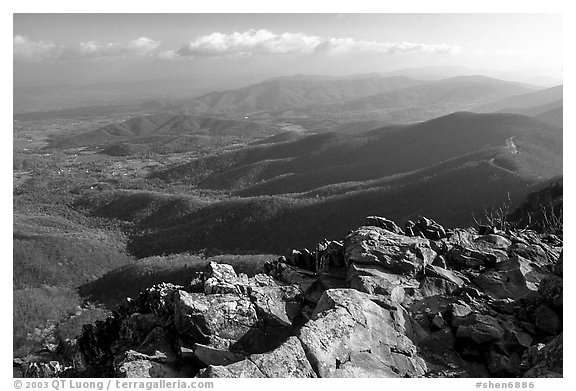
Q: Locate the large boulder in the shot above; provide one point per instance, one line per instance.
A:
(240, 369)
(219, 320)
(505, 280)
(396, 253)
(445, 274)
(351, 335)
(384, 223)
(286, 361)
(374, 279)
(426, 228)
(277, 305)
(466, 250)
(434, 286)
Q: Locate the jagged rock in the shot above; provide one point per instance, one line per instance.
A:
(466, 251)
(137, 326)
(145, 369)
(221, 279)
(533, 274)
(157, 346)
(440, 261)
(384, 223)
(346, 323)
(544, 360)
(505, 280)
(240, 369)
(551, 288)
(217, 320)
(294, 275)
(433, 286)
(529, 246)
(439, 272)
(212, 356)
(407, 315)
(277, 305)
(496, 241)
(460, 309)
(286, 361)
(426, 228)
(373, 279)
(395, 253)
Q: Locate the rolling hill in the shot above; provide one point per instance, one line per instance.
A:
(553, 117)
(422, 102)
(518, 143)
(321, 185)
(289, 93)
(548, 99)
(165, 126)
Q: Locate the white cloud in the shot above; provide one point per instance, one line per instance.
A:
(253, 42)
(28, 50)
(168, 55)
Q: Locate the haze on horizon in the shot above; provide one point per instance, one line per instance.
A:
(52, 49)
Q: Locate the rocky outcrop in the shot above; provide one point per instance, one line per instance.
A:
(353, 334)
(396, 253)
(288, 360)
(384, 302)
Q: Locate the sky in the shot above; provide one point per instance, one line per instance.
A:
(94, 48)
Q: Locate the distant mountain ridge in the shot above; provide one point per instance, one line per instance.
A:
(289, 93)
(522, 103)
(324, 159)
(449, 168)
(168, 124)
(308, 94)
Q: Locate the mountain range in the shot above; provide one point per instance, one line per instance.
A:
(450, 168)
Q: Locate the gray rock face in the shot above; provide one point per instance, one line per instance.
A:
(505, 280)
(241, 369)
(212, 356)
(217, 320)
(433, 286)
(380, 304)
(439, 272)
(374, 279)
(384, 223)
(351, 334)
(395, 253)
(145, 369)
(466, 250)
(288, 360)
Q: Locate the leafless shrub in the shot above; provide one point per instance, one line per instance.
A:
(497, 216)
